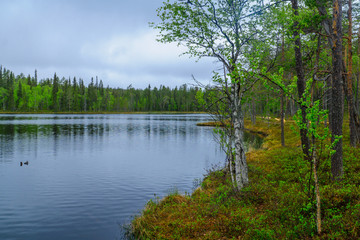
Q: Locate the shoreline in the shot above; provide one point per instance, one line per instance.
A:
(275, 205)
(219, 124)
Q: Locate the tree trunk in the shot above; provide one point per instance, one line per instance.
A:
(354, 124)
(334, 30)
(325, 107)
(358, 74)
(329, 100)
(317, 192)
(241, 168)
(231, 161)
(337, 95)
(326, 23)
(231, 138)
(300, 81)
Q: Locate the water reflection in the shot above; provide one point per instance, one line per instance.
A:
(88, 173)
(68, 127)
(83, 127)
(6, 143)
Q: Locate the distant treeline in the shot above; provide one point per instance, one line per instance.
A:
(27, 94)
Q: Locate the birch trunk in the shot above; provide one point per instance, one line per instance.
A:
(317, 191)
(231, 165)
(241, 168)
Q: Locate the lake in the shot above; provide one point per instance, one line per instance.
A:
(89, 174)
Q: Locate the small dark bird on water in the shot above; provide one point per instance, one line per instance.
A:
(26, 163)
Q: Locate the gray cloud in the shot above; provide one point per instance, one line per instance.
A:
(84, 38)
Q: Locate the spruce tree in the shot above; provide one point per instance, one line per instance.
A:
(19, 95)
(54, 93)
(10, 86)
(35, 78)
(2, 84)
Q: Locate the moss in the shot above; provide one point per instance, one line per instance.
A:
(278, 204)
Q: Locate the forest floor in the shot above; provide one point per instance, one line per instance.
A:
(279, 202)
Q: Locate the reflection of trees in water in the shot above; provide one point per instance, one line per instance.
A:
(33, 131)
(161, 129)
(6, 143)
(95, 129)
(29, 135)
(56, 130)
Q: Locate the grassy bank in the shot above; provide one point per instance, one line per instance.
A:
(279, 203)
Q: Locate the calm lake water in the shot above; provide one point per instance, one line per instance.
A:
(88, 174)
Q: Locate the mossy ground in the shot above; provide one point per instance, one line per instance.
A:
(279, 203)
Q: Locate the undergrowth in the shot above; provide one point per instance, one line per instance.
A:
(279, 202)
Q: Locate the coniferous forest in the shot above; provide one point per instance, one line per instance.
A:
(28, 94)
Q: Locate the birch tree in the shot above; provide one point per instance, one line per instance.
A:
(224, 30)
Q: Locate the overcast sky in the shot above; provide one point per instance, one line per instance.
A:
(110, 39)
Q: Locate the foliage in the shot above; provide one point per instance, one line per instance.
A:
(26, 94)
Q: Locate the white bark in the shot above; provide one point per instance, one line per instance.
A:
(231, 169)
(241, 168)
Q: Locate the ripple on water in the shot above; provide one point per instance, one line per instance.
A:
(90, 173)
